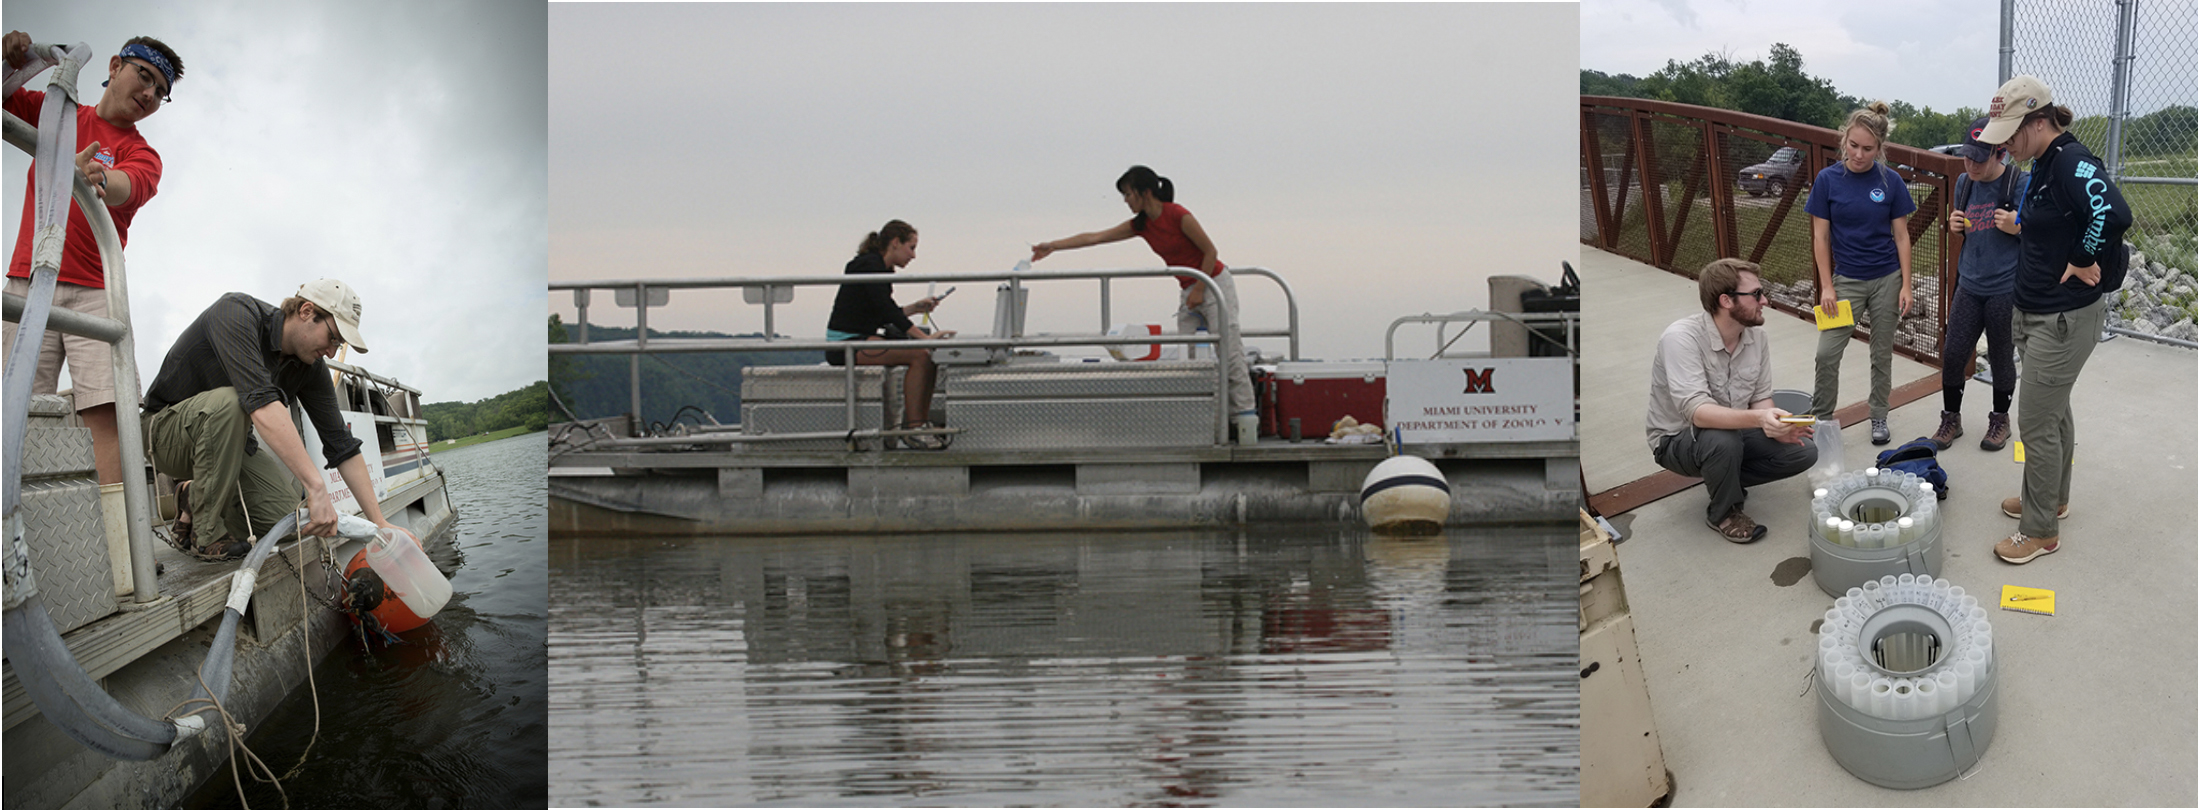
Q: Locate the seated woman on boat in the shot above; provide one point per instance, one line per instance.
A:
(865, 311)
(1177, 237)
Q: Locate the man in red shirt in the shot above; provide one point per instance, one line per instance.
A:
(125, 171)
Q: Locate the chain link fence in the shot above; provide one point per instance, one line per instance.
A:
(2125, 67)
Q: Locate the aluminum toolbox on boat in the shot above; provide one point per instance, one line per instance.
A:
(811, 399)
(1068, 406)
(1319, 394)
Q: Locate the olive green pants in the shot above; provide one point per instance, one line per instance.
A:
(1880, 300)
(2054, 347)
(202, 440)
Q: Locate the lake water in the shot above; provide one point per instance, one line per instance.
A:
(1282, 667)
(453, 718)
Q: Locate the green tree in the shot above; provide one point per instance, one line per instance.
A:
(564, 372)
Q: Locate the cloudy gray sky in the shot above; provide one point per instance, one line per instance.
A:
(1384, 159)
(1944, 55)
(398, 146)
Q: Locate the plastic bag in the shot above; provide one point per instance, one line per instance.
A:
(1830, 464)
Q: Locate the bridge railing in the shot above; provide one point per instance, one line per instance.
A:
(1691, 157)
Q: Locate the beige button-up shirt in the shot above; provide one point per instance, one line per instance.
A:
(1694, 369)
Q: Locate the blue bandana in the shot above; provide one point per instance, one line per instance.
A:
(153, 57)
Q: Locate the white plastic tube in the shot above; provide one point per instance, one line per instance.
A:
(1903, 704)
(1859, 695)
(1951, 692)
(1882, 698)
(1928, 698)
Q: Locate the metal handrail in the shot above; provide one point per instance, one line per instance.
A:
(1572, 321)
(644, 344)
(136, 500)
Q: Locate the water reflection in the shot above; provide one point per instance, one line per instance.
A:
(1282, 667)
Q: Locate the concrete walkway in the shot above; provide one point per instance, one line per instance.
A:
(2096, 703)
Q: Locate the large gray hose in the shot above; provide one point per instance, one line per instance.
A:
(80, 708)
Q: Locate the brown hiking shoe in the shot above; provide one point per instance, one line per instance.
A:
(1997, 432)
(2014, 507)
(1951, 429)
(1738, 527)
(2019, 549)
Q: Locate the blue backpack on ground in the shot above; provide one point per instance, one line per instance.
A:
(1918, 457)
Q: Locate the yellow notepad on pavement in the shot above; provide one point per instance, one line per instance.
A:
(2029, 600)
(1840, 319)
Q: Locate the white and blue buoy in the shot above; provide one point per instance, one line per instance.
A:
(1405, 495)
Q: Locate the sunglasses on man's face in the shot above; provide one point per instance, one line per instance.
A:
(1758, 294)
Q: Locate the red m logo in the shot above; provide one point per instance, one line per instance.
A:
(1478, 383)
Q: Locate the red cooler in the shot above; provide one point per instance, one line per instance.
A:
(1319, 394)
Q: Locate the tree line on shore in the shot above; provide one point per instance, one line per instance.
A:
(1780, 88)
(527, 407)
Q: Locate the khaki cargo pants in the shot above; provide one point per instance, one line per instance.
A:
(202, 440)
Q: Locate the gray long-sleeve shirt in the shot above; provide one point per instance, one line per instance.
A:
(237, 342)
(1693, 369)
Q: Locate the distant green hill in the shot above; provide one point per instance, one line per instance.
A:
(527, 408)
(597, 386)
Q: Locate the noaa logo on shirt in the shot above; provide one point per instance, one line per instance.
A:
(1879, 195)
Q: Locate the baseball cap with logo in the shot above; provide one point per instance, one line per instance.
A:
(1975, 150)
(2020, 97)
(337, 299)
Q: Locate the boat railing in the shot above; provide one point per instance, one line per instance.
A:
(772, 290)
(36, 314)
(1569, 321)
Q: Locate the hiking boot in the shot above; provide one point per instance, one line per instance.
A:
(2018, 549)
(1951, 429)
(1880, 434)
(2014, 507)
(1997, 432)
(1738, 527)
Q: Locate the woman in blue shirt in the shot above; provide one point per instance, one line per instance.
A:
(1859, 225)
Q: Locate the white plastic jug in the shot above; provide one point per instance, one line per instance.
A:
(396, 555)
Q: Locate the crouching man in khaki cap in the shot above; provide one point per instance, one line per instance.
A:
(238, 368)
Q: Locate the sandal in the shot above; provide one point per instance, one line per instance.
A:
(1738, 528)
(923, 441)
(221, 550)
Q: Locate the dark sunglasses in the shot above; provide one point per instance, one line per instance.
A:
(1758, 294)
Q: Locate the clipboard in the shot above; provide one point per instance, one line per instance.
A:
(1844, 317)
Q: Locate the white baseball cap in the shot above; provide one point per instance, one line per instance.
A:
(2022, 96)
(336, 298)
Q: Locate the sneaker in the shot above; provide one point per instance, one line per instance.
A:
(1997, 432)
(2019, 549)
(1951, 429)
(2014, 507)
(1738, 528)
(1880, 434)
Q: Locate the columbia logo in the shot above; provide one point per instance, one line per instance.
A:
(2084, 171)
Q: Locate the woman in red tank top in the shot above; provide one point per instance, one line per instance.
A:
(1176, 236)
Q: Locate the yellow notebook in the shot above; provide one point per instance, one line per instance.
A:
(2029, 600)
(2019, 455)
(1840, 319)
